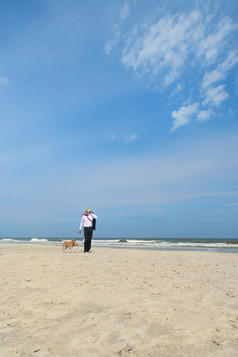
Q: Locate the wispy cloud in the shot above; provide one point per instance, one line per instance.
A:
(167, 49)
(117, 29)
(131, 137)
(213, 36)
(230, 204)
(151, 210)
(216, 95)
(3, 80)
(124, 12)
(132, 211)
(212, 77)
(184, 115)
(120, 213)
(167, 45)
(153, 47)
(205, 115)
(13, 198)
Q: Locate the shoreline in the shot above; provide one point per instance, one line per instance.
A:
(80, 248)
(116, 302)
(157, 245)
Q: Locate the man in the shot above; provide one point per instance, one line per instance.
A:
(87, 223)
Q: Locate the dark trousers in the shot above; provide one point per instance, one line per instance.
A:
(88, 235)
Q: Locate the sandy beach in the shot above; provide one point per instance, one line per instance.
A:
(117, 302)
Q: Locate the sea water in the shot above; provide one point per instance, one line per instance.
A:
(228, 245)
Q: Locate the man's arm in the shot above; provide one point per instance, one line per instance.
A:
(94, 215)
(81, 225)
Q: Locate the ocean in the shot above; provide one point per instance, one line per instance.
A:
(228, 245)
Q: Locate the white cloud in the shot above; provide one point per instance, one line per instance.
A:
(212, 77)
(158, 210)
(204, 115)
(231, 112)
(112, 136)
(215, 96)
(117, 29)
(166, 46)
(108, 47)
(230, 204)
(145, 209)
(177, 89)
(131, 211)
(166, 50)
(120, 213)
(124, 12)
(3, 80)
(170, 77)
(184, 115)
(111, 44)
(155, 210)
(214, 36)
(230, 61)
(131, 137)
(13, 198)
(162, 46)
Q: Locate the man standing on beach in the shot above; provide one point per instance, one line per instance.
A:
(87, 223)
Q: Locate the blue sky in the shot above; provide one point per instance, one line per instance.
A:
(128, 107)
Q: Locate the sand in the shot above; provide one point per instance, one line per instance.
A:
(117, 302)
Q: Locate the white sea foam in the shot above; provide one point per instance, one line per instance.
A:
(136, 243)
(37, 240)
(8, 240)
(162, 244)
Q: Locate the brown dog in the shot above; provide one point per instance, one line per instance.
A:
(69, 244)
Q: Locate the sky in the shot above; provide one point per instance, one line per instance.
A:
(126, 107)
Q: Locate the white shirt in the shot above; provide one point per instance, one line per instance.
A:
(87, 221)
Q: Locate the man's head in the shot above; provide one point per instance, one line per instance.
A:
(87, 210)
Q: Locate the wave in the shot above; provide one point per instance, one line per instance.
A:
(8, 240)
(163, 244)
(177, 244)
(37, 240)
